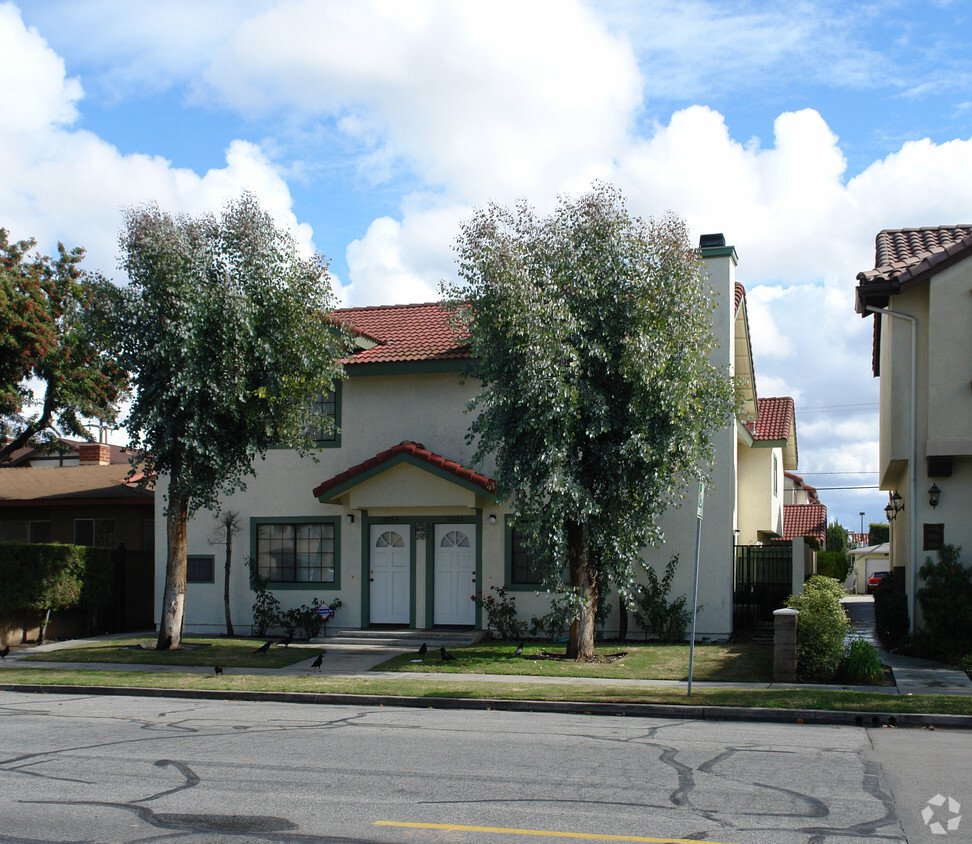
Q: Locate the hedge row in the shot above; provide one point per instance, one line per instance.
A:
(41, 578)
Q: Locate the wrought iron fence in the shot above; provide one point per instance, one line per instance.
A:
(762, 581)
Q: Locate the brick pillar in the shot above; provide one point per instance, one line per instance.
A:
(784, 645)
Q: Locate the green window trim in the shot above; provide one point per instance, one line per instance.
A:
(509, 551)
(334, 440)
(284, 538)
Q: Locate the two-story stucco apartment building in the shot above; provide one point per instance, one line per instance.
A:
(392, 519)
(920, 295)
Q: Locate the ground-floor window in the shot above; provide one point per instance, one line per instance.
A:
(297, 551)
(98, 533)
(520, 567)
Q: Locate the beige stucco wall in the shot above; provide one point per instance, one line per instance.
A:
(378, 412)
(943, 308)
(760, 502)
(949, 369)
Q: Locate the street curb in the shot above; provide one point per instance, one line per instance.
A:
(632, 710)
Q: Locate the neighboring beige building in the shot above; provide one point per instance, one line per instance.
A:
(865, 562)
(922, 283)
(392, 520)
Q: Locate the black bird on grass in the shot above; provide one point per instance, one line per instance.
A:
(286, 640)
(424, 649)
(519, 650)
(263, 648)
(316, 664)
(446, 657)
(4, 652)
(219, 670)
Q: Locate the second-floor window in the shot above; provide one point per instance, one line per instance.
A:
(328, 406)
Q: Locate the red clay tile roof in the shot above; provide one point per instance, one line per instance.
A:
(774, 419)
(410, 449)
(799, 483)
(805, 520)
(404, 333)
(902, 259)
(900, 253)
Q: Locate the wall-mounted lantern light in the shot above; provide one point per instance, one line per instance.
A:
(933, 495)
(895, 506)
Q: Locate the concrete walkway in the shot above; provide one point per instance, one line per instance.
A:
(912, 676)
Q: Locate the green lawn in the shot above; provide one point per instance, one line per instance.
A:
(230, 653)
(723, 663)
(742, 663)
(407, 686)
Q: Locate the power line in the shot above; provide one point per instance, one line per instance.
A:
(874, 472)
(822, 488)
(840, 408)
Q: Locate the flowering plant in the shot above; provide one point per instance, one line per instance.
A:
(500, 612)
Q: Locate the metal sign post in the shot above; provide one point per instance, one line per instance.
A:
(695, 587)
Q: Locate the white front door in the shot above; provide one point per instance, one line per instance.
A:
(455, 574)
(390, 574)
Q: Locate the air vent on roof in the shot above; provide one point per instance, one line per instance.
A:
(707, 240)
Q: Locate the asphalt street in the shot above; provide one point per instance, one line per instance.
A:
(120, 769)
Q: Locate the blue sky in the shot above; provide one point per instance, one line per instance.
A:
(372, 129)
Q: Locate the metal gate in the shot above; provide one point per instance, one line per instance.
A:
(763, 581)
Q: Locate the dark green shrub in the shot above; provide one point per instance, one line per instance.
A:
(890, 614)
(878, 533)
(304, 618)
(946, 603)
(821, 628)
(266, 608)
(554, 624)
(40, 579)
(833, 564)
(660, 618)
(862, 663)
(965, 663)
(564, 610)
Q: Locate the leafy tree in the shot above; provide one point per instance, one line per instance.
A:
(590, 334)
(878, 533)
(224, 327)
(47, 339)
(833, 564)
(836, 537)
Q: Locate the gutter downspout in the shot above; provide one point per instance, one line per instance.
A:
(912, 467)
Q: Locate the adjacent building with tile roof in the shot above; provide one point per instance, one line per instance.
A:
(394, 520)
(919, 296)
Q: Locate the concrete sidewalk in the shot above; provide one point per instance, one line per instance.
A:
(912, 676)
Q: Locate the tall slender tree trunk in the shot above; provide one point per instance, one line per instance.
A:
(226, 578)
(580, 645)
(174, 599)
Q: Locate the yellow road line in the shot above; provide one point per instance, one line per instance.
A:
(505, 831)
